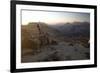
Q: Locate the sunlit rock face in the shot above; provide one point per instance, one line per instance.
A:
(36, 35)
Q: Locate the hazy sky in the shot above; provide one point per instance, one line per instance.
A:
(53, 17)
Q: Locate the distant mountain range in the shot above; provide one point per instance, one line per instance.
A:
(58, 31)
(74, 29)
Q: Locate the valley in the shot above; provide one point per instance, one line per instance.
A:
(41, 42)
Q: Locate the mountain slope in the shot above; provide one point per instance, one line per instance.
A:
(37, 35)
(41, 42)
(74, 29)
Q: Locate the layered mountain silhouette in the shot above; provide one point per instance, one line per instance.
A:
(74, 29)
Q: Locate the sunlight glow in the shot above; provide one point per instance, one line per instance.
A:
(53, 17)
